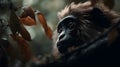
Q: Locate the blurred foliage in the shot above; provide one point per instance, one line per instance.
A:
(49, 8)
(24, 26)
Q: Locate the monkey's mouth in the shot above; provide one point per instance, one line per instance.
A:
(63, 49)
(72, 48)
(66, 47)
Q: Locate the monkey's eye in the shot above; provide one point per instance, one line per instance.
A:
(60, 29)
(71, 25)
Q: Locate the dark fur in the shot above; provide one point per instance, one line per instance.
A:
(105, 50)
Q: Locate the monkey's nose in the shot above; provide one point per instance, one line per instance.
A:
(61, 36)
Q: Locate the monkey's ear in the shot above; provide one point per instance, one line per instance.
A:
(99, 18)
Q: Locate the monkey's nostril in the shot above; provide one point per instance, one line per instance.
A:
(61, 36)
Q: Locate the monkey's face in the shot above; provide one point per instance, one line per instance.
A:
(68, 33)
(75, 30)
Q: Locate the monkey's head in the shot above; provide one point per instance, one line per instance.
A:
(81, 23)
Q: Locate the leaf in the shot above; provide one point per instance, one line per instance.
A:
(47, 29)
(14, 23)
(23, 47)
(25, 34)
(28, 11)
(16, 27)
(28, 21)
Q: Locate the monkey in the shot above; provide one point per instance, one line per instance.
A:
(88, 34)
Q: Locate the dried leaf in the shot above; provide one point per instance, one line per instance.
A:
(25, 34)
(14, 23)
(28, 11)
(28, 21)
(16, 27)
(24, 48)
(47, 29)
